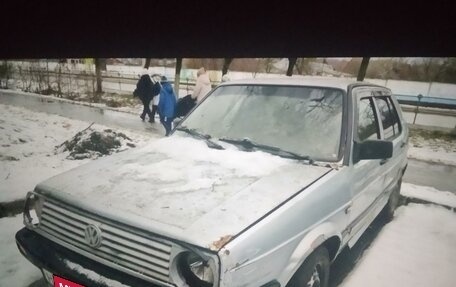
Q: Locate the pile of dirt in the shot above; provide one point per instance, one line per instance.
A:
(91, 143)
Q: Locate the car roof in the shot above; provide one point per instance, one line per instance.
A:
(327, 82)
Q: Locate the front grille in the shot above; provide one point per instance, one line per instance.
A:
(147, 256)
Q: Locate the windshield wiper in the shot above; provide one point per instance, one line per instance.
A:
(196, 134)
(293, 155)
(249, 145)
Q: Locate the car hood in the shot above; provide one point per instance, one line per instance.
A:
(181, 189)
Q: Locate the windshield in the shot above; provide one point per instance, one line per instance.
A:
(302, 120)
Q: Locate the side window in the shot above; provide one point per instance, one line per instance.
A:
(367, 120)
(388, 116)
(396, 124)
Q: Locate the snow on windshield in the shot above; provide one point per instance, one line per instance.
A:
(303, 120)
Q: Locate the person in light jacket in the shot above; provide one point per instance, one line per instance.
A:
(166, 105)
(203, 85)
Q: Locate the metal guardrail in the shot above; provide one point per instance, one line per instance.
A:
(431, 102)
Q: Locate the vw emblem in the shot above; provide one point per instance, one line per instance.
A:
(92, 235)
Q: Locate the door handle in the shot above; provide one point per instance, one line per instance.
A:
(403, 144)
(383, 161)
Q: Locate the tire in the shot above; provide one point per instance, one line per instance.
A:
(314, 272)
(393, 202)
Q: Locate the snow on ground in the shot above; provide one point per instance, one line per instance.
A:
(428, 193)
(432, 146)
(27, 142)
(430, 149)
(417, 249)
(15, 270)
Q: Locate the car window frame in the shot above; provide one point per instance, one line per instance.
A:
(385, 98)
(358, 97)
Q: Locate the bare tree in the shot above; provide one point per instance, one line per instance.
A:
(268, 64)
(177, 76)
(59, 79)
(99, 79)
(7, 73)
(226, 65)
(4, 72)
(147, 63)
(362, 69)
(449, 73)
(303, 65)
(291, 64)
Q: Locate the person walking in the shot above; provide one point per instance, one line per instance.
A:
(156, 99)
(203, 85)
(166, 105)
(145, 91)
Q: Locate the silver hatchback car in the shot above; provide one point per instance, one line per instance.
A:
(262, 184)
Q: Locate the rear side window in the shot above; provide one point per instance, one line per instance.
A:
(388, 116)
(367, 120)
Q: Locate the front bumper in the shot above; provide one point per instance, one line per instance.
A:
(46, 254)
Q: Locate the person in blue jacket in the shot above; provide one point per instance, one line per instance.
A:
(166, 105)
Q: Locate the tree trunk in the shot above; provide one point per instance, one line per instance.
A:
(7, 74)
(59, 77)
(299, 65)
(177, 76)
(147, 63)
(48, 79)
(103, 65)
(291, 64)
(226, 65)
(98, 75)
(363, 69)
(268, 65)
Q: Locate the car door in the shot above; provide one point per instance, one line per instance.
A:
(367, 179)
(391, 131)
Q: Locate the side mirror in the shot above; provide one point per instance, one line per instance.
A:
(372, 149)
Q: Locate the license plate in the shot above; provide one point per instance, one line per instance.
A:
(61, 282)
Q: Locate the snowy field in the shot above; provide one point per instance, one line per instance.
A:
(433, 150)
(416, 249)
(27, 153)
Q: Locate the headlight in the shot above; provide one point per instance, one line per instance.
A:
(195, 270)
(32, 210)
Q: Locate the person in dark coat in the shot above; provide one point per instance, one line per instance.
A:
(146, 89)
(184, 105)
(166, 105)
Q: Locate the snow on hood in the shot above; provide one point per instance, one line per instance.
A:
(180, 188)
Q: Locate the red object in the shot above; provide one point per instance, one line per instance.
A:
(60, 282)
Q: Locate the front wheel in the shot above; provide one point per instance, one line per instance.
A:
(314, 272)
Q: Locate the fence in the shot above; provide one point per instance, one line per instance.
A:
(63, 81)
(70, 81)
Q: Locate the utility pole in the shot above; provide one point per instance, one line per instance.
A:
(420, 96)
(177, 76)
(363, 69)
